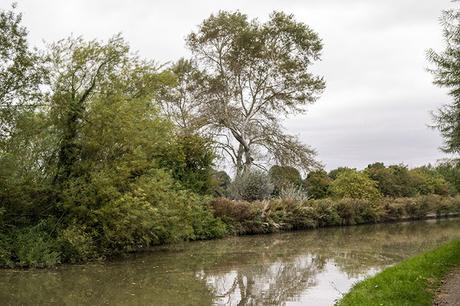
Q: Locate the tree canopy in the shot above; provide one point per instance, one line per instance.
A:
(244, 76)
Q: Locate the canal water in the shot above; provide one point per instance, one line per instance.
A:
(299, 268)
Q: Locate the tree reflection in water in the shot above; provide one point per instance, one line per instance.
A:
(357, 252)
(267, 283)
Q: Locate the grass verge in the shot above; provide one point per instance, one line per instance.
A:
(411, 282)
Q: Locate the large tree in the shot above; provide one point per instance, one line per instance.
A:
(447, 74)
(247, 76)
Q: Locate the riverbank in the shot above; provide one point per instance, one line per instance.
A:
(242, 218)
(411, 282)
(221, 217)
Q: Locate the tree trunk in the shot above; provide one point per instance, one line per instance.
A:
(69, 151)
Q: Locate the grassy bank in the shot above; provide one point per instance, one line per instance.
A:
(411, 282)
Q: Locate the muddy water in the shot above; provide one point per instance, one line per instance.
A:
(300, 268)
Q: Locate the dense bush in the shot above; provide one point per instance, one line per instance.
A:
(221, 183)
(333, 174)
(317, 184)
(355, 185)
(241, 217)
(429, 181)
(283, 177)
(450, 171)
(190, 159)
(35, 247)
(251, 185)
(292, 192)
(32, 246)
(277, 214)
(393, 181)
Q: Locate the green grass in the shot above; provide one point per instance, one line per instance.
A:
(411, 282)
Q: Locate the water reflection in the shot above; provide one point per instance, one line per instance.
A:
(302, 268)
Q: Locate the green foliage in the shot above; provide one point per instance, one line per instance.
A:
(130, 222)
(334, 173)
(35, 247)
(393, 181)
(102, 162)
(354, 185)
(450, 171)
(6, 250)
(283, 177)
(179, 101)
(251, 185)
(429, 181)
(78, 243)
(447, 74)
(317, 184)
(20, 71)
(411, 282)
(108, 90)
(21, 74)
(190, 159)
(221, 183)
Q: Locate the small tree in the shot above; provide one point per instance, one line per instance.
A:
(354, 185)
(221, 182)
(283, 177)
(450, 170)
(428, 181)
(251, 186)
(317, 184)
(392, 181)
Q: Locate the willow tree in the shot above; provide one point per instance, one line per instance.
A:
(248, 76)
(447, 74)
(80, 73)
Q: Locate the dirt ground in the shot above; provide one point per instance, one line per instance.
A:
(449, 293)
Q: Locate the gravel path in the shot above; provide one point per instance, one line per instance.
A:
(449, 293)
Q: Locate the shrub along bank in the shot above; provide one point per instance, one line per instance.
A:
(119, 230)
(274, 215)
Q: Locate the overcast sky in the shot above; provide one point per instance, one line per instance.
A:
(378, 99)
